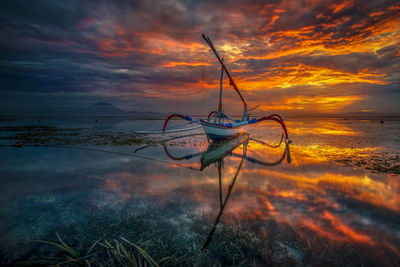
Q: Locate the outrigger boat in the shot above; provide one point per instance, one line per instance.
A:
(219, 126)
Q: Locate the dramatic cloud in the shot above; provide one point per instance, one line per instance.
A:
(292, 55)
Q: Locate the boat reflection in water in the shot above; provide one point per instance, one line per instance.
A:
(216, 152)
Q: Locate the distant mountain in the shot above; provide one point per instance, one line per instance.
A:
(101, 104)
(107, 109)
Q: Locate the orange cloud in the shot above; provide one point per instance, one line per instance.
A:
(307, 40)
(318, 103)
(194, 64)
(307, 75)
(340, 6)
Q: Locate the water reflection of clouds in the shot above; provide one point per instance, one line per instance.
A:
(313, 196)
(324, 127)
(311, 202)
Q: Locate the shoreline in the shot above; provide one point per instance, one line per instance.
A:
(286, 117)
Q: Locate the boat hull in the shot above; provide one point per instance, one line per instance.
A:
(219, 149)
(217, 132)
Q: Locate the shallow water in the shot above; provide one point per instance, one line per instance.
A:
(336, 202)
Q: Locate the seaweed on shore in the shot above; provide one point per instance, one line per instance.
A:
(377, 163)
(50, 135)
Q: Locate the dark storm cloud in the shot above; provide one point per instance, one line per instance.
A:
(154, 48)
(57, 45)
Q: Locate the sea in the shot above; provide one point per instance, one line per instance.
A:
(94, 192)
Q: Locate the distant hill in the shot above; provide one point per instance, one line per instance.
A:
(107, 109)
(98, 109)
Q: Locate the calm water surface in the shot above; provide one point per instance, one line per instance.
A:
(333, 199)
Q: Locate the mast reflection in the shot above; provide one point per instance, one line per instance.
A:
(215, 153)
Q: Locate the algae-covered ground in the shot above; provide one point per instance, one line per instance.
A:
(34, 135)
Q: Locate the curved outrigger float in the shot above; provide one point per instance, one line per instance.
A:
(215, 125)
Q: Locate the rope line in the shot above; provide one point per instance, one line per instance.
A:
(122, 154)
(168, 131)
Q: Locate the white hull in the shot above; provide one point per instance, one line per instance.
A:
(216, 132)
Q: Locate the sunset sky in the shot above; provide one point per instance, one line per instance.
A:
(290, 56)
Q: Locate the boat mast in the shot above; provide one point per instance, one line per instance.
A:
(231, 81)
(220, 113)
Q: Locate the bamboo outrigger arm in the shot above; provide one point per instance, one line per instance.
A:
(231, 81)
